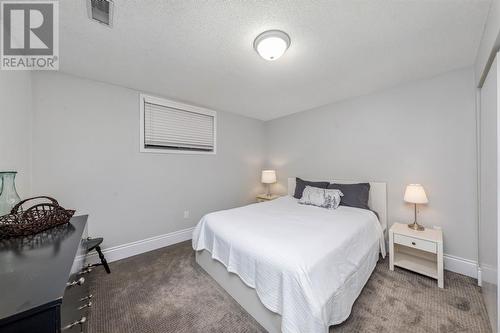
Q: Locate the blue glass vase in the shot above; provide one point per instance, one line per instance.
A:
(8, 194)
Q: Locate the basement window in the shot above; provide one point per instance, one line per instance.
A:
(172, 127)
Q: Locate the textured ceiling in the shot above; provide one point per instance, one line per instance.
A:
(201, 51)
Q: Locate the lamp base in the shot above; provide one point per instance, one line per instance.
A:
(416, 226)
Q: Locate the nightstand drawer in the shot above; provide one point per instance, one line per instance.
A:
(415, 243)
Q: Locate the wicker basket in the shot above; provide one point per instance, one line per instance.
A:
(35, 219)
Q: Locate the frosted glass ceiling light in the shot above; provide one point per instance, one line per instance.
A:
(271, 44)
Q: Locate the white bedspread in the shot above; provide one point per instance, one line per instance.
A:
(296, 257)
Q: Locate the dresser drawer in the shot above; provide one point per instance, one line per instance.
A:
(76, 301)
(415, 243)
(75, 305)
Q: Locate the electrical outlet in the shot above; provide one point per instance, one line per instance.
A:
(186, 214)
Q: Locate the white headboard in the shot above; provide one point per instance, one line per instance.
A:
(377, 200)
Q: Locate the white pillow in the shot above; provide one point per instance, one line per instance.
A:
(321, 197)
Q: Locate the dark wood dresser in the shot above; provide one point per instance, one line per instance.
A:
(42, 281)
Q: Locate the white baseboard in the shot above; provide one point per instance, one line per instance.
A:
(134, 248)
(460, 265)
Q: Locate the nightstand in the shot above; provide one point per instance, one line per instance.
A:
(418, 251)
(265, 197)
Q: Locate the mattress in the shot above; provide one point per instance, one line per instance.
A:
(301, 260)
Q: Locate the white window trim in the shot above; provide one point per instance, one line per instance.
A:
(169, 103)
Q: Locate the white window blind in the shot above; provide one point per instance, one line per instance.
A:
(173, 126)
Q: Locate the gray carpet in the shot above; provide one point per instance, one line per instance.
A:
(166, 291)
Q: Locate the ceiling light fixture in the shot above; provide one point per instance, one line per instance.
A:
(271, 44)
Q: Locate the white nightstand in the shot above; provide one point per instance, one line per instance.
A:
(265, 197)
(418, 251)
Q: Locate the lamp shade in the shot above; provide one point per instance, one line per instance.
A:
(415, 193)
(268, 176)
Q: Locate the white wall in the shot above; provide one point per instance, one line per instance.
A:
(86, 153)
(15, 132)
(422, 132)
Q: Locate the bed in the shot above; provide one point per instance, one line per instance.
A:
(294, 268)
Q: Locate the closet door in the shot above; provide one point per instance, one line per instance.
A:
(488, 194)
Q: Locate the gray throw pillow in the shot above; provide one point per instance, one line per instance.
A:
(301, 184)
(355, 195)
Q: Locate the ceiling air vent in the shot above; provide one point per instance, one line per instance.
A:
(101, 11)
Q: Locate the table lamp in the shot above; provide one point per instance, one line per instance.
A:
(268, 177)
(415, 194)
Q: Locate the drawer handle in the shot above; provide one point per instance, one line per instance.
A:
(75, 323)
(88, 305)
(78, 282)
(86, 298)
(413, 243)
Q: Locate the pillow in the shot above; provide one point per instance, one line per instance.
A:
(300, 185)
(321, 197)
(355, 195)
